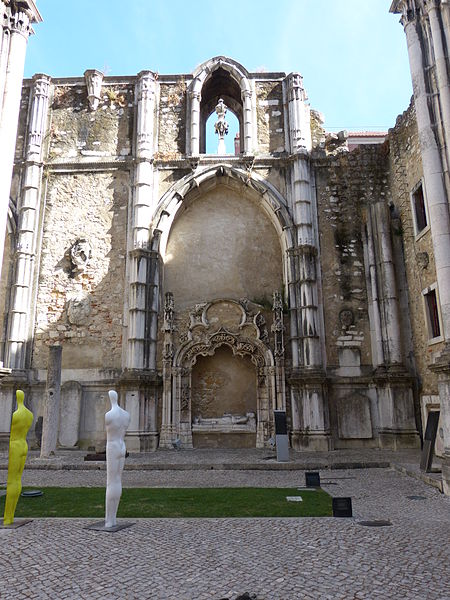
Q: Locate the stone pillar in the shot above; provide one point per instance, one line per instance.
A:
(18, 19)
(378, 354)
(168, 432)
(247, 145)
(438, 208)
(441, 65)
(278, 331)
(392, 347)
(309, 404)
(195, 97)
(143, 264)
(50, 423)
(299, 114)
(28, 228)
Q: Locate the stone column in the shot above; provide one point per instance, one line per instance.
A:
(168, 433)
(299, 114)
(50, 423)
(309, 404)
(14, 45)
(21, 311)
(195, 97)
(392, 348)
(441, 64)
(438, 208)
(278, 331)
(143, 262)
(247, 145)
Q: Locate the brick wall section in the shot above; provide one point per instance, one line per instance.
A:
(405, 173)
(270, 117)
(172, 120)
(94, 207)
(76, 130)
(345, 183)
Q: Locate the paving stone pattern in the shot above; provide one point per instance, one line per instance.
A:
(214, 559)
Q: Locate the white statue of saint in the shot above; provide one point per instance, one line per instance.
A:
(116, 423)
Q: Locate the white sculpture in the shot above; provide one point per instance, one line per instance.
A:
(116, 423)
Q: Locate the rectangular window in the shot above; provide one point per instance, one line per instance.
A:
(432, 310)
(419, 208)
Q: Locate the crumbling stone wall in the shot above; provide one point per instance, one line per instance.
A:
(270, 117)
(76, 130)
(405, 173)
(83, 311)
(345, 183)
(172, 119)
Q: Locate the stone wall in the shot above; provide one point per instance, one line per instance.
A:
(78, 131)
(346, 182)
(83, 311)
(270, 117)
(405, 173)
(172, 119)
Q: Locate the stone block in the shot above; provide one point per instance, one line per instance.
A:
(353, 415)
(70, 411)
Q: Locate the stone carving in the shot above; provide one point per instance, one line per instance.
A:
(221, 126)
(78, 310)
(94, 80)
(346, 318)
(79, 256)
(169, 306)
(116, 424)
(18, 448)
(278, 324)
(260, 323)
(423, 260)
(227, 423)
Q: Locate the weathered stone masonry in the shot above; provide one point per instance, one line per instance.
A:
(172, 275)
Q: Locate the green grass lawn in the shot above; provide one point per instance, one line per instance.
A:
(176, 502)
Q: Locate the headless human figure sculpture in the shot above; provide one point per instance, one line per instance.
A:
(116, 423)
(18, 448)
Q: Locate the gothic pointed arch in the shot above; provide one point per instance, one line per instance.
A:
(220, 77)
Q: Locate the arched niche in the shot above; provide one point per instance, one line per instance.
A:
(222, 245)
(220, 77)
(220, 84)
(268, 200)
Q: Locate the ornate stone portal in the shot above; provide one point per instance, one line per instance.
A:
(213, 325)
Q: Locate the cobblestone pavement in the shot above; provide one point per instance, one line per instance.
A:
(211, 559)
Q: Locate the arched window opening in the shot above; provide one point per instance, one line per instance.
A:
(220, 85)
(231, 139)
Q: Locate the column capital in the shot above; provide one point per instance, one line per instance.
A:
(146, 84)
(41, 84)
(407, 9)
(20, 20)
(296, 91)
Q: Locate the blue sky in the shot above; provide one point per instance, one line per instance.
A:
(352, 53)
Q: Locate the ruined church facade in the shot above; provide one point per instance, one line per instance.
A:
(208, 289)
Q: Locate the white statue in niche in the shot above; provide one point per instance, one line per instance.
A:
(116, 423)
(221, 126)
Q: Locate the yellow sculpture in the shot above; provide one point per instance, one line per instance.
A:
(18, 449)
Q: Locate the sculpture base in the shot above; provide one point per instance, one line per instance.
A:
(100, 526)
(17, 523)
